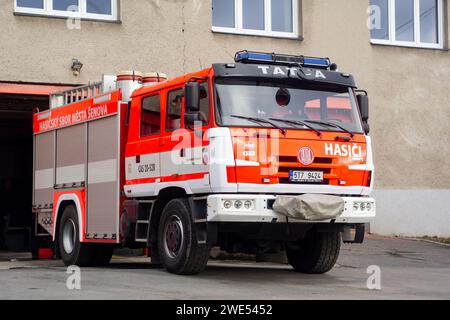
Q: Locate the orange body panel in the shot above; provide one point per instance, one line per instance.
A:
(278, 155)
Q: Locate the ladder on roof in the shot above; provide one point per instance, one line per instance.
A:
(63, 98)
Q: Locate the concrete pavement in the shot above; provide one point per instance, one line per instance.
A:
(409, 270)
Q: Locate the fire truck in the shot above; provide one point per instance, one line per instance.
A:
(267, 154)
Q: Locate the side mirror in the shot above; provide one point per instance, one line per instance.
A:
(192, 97)
(366, 127)
(363, 102)
(190, 118)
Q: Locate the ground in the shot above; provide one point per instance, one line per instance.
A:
(409, 270)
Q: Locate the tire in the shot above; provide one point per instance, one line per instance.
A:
(177, 240)
(102, 255)
(316, 254)
(72, 251)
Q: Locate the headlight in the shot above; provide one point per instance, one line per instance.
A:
(239, 204)
(227, 204)
(363, 206)
(248, 204)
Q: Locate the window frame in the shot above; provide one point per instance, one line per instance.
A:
(82, 13)
(267, 32)
(417, 32)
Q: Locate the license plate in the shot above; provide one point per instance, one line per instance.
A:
(306, 176)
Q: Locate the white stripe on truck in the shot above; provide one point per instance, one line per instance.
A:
(43, 179)
(102, 171)
(70, 174)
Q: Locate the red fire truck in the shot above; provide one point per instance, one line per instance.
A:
(269, 153)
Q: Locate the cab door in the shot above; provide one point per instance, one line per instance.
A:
(182, 160)
(143, 165)
(175, 139)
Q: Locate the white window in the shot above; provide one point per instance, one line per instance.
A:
(411, 23)
(274, 18)
(84, 9)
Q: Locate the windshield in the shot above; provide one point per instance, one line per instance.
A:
(300, 102)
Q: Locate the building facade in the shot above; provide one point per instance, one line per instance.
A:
(397, 50)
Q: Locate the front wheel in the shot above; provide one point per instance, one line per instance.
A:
(315, 254)
(178, 247)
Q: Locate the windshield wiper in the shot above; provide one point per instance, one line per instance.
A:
(331, 124)
(300, 123)
(261, 120)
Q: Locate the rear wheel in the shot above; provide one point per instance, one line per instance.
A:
(72, 251)
(315, 254)
(177, 240)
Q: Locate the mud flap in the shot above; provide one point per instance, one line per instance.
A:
(200, 214)
(357, 237)
(310, 207)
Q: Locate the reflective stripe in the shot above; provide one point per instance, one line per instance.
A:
(70, 174)
(43, 179)
(102, 171)
(148, 167)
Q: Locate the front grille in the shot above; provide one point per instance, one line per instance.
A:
(291, 163)
(288, 169)
(295, 159)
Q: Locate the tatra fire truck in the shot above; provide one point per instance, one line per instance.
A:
(267, 154)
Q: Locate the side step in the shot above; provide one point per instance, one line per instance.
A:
(143, 220)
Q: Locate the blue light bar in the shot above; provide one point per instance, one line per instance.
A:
(253, 56)
(317, 62)
(282, 59)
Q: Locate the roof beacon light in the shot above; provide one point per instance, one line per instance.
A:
(318, 62)
(282, 59)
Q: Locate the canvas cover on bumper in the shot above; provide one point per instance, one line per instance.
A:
(310, 207)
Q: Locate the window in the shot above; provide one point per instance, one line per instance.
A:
(306, 101)
(275, 18)
(174, 106)
(150, 116)
(65, 5)
(84, 9)
(99, 7)
(337, 107)
(35, 4)
(413, 23)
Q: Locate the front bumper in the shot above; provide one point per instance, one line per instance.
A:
(261, 210)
